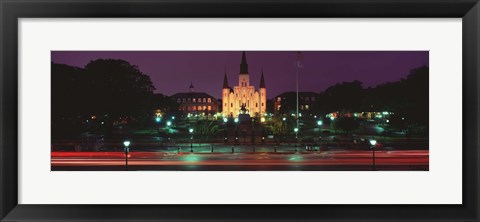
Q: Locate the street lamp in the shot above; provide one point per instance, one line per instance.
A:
(319, 124)
(373, 143)
(225, 129)
(169, 123)
(296, 138)
(126, 143)
(236, 130)
(158, 119)
(191, 139)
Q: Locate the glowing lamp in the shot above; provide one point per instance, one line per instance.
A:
(373, 142)
(126, 143)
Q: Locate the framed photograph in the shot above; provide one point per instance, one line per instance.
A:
(252, 111)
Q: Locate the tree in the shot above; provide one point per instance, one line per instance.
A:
(106, 88)
(206, 129)
(117, 88)
(346, 96)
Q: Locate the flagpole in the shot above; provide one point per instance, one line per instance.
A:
(298, 128)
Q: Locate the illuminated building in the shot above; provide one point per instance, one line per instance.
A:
(196, 102)
(244, 94)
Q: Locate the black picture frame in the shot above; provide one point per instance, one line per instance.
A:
(12, 10)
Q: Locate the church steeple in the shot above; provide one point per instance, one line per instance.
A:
(192, 89)
(244, 65)
(225, 81)
(262, 81)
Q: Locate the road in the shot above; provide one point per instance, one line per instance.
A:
(264, 161)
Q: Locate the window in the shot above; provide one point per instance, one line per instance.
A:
(279, 99)
(262, 104)
(194, 100)
(178, 100)
(256, 104)
(199, 108)
(231, 104)
(307, 106)
(278, 107)
(184, 100)
(210, 100)
(312, 99)
(225, 104)
(204, 100)
(209, 108)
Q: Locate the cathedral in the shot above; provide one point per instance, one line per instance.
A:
(244, 97)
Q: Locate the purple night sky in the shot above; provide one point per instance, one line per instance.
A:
(172, 71)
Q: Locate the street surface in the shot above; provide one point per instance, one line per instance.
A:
(243, 158)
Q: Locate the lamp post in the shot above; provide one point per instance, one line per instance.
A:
(225, 130)
(126, 143)
(296, 138)
(373, 143)
(319, 124)
(191, 139)
(236, 130)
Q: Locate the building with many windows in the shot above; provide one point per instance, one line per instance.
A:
(196, 102)
(286, 103)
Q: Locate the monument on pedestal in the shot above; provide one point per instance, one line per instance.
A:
(243, 116)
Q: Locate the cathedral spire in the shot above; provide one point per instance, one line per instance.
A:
(262, 81)
(225, 81)
(244, 65)
(192, 89)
